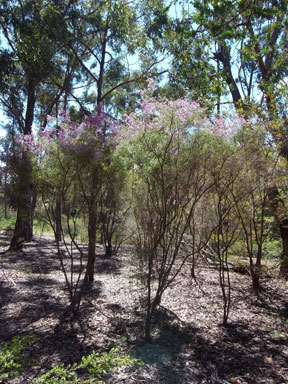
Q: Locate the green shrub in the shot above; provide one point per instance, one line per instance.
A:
(61, 375)
(12, 362)
(92, 369)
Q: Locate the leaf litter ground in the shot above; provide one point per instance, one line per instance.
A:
(188, 346)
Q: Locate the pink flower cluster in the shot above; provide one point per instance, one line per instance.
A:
(227, 127)
(162, 115)
(29, 144)
(89, 137)
(172, 116)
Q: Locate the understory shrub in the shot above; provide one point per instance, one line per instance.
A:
(12, 361)
(91, 369)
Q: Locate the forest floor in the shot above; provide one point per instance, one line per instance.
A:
(188, 345)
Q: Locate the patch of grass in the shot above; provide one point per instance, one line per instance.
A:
(279, 334)
(12, 361)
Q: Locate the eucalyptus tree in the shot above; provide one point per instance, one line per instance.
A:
(237, 52)
(43, 46)
(31, 42)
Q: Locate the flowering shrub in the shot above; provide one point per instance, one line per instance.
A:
(173, 147)
(163, 116)
(90, 137)
(227, 127)
(71, 162)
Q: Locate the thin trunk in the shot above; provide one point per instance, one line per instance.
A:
(31, 99)
(92, 228)
(218, 89)
(256, 280)
(109, 249)
(148, 322)
(58, 219)
(149, 306)
(102, 237)
(102, 66)
(66, 88)
(193, 274)
(92, 221)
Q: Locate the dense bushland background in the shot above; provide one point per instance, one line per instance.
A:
(160, 126)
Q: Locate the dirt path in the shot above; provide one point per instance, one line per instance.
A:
(189, 345)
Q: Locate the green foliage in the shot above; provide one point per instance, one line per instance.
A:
(61, 375)
(12, 362)
(7, 224)
(92, 368)
(272, 248)
(41, 227)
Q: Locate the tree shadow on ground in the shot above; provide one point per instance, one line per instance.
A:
(187, 353)
(4, 240)
(31, 291)
(33, 258)
(107, 265)
(162, 355)
(273, 303)
(179, 352)
(238, 351)
(34, 299)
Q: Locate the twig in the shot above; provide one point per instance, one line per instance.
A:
(9, 279)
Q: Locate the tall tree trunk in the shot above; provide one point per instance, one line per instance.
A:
(5, 198)
(26, 200)
(277, 207)
(58, 208)
(284, 254)
(257, 270)
(223, 55)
